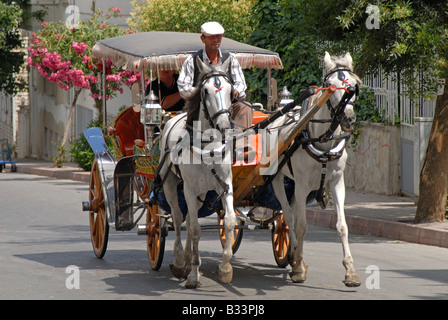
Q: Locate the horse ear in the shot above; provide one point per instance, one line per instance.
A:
(225, 65)
(202, 67)
(348, 58)
(329, 64)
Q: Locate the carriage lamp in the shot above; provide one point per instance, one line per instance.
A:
(151, 112)
(285, 96)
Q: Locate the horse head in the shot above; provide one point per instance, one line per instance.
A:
(216, 92)
(339, 72)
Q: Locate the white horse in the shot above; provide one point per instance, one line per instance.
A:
(200, 169)
(307, 172)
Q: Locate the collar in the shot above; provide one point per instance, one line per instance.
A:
(207, 60)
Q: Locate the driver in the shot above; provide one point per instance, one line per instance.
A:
(211, 36)
(166, 86)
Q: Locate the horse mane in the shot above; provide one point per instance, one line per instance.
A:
(192, 104)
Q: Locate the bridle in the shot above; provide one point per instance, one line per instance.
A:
(341, 76)
(217, 84)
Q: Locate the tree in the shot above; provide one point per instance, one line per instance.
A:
(13, 14)
(11, 58)
(274, 26)
(403, 37)
(62, 55)
(188, 16)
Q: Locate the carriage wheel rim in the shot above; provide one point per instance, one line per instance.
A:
(154, 238)
(97, 216)
(280, 240)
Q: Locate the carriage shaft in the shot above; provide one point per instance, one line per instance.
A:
(251, 179)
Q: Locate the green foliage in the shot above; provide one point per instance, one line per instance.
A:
(189, 15)
(412, 36)
(28, 13)
(80, 149)
(13, 14)
(61, 155)
(366, 110)
(11, 59)
(365, 107)
(275, 30)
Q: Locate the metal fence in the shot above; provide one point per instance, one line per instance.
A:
(392, 98)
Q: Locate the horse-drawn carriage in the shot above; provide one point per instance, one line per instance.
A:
(162, 169)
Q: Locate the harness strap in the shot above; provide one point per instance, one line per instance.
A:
(320, 197)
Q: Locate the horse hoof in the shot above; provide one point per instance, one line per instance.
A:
(352, 281)
(179, 273)
(192, 284)
(297, 277)
(225, 277)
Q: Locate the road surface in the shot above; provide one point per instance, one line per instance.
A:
(46, 254)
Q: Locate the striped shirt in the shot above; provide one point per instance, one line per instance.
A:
(186, 76)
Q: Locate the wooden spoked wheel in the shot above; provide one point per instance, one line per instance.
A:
(280, 242)
(99, 227)
(237, 233)
(155, 237)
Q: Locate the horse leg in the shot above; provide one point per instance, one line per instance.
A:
(299, 269)
(279, 190)
(225, 270)
(338, 190)
(170, 190)
(192, 246)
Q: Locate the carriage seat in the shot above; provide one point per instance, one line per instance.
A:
(127, 128)
(259, 116)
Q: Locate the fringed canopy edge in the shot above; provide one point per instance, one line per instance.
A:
(175, 61)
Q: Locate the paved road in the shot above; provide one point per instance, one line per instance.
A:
(43, 231)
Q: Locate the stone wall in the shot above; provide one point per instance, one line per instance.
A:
(374, 164)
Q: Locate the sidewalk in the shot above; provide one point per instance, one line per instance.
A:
(46, 168)
(382, 216)
(369, 214)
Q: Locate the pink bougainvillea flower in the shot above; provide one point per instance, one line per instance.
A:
(114, 78)
(79, 47)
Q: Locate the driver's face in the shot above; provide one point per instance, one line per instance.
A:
(212, 42)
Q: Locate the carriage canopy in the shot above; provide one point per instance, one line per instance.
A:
(164, 50)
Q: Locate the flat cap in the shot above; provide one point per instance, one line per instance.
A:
(211, 28)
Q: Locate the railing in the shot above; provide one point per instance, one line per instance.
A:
(392, 98)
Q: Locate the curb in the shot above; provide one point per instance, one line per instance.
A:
(420, 234)
(59, 173)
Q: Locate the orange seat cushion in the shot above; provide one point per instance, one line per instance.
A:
(128, 128)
